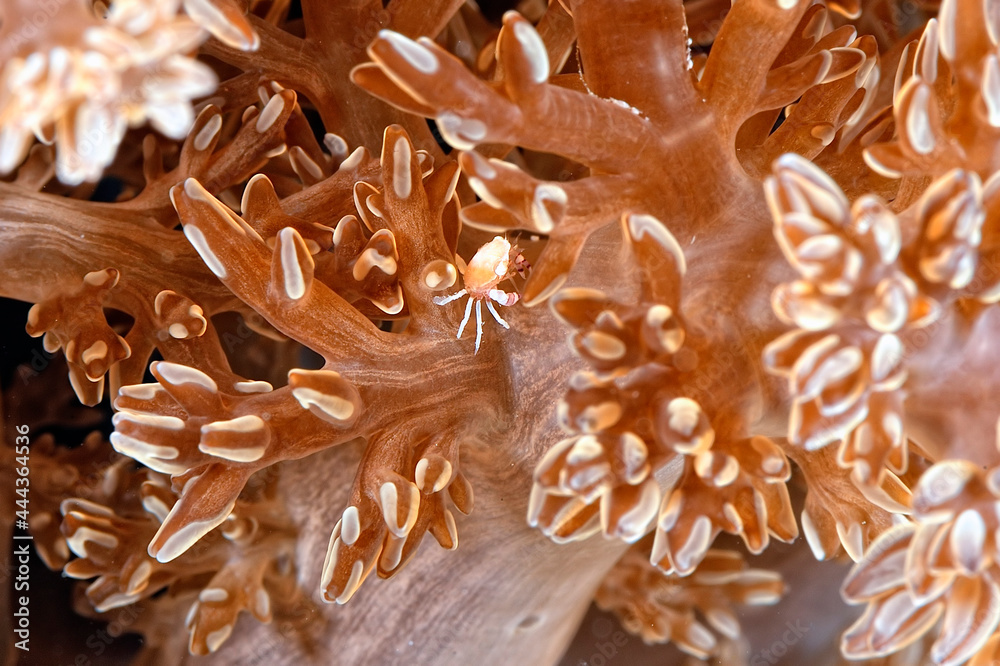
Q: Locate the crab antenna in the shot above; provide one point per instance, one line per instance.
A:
(479, 323)
(465, 319)
(496, 315)
(441, 300)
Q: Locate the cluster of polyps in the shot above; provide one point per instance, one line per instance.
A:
(670, 608)
(104, 74)
(942, 564)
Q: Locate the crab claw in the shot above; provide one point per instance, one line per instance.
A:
(502, 297)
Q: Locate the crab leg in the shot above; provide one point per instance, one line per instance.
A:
(479, 323)
(442, 300)
(465, 319)
(496, 315)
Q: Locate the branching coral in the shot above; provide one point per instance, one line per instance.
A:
(209, 439)
(772, 246)
(244, 566)
(79, 286)
(622, 120)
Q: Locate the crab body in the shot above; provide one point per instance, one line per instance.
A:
(493, 263)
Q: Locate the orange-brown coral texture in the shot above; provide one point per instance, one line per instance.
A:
(743, 294)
